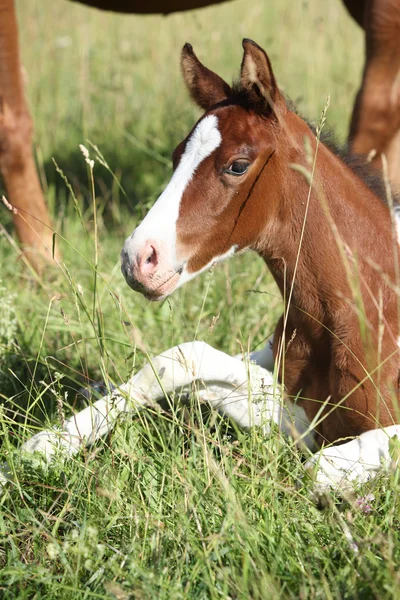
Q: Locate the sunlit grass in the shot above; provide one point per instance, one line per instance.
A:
(168, 506)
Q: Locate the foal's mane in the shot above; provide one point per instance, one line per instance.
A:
(355, 162)
(372, 178)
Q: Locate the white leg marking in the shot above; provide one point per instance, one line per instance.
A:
(354, 462)
(224, 384)
(246, 393)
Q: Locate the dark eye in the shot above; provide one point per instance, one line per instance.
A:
(238, 167)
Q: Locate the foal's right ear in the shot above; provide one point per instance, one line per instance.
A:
(205, 87)
(257, 77)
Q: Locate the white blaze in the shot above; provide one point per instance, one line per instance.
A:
(160, 222)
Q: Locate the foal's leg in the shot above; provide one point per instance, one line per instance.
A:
(355, 462)
(243, 392)
(246, 393)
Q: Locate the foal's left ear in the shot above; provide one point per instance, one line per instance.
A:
(205, 87)
(257, 77)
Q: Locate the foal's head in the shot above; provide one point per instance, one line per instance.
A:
(219, 198)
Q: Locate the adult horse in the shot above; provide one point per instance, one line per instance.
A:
(375, 122)
(17, 163)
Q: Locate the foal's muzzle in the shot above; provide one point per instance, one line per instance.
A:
(149, 269)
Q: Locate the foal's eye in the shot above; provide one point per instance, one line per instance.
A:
(238, 167)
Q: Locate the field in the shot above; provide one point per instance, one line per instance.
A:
(182, 504)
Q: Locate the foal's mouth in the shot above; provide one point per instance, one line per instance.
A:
(162, 290)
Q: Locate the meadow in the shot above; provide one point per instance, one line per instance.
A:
(179, 504)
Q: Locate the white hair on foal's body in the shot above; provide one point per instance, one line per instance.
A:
(244, 392)
(396, 219)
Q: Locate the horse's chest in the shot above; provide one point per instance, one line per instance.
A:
(305, 370)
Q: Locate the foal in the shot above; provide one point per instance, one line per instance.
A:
(252, 175)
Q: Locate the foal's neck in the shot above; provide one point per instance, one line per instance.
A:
(347, 229)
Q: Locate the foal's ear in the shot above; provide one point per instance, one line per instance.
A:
(205, 87)
(257, 76)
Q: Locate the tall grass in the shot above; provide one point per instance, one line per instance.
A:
(177, 505)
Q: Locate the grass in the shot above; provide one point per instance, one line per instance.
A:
(178, 506)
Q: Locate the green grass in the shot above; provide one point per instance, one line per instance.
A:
(181, 505)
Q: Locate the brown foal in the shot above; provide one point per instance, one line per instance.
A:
(244, 179)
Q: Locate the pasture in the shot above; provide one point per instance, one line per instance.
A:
(175, 503)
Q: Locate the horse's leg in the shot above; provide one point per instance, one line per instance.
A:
(17, 165)
(243, 392)
(340, 467)
(376, 116)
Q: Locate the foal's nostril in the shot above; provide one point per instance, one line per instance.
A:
(148, 261)
(151, 256)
